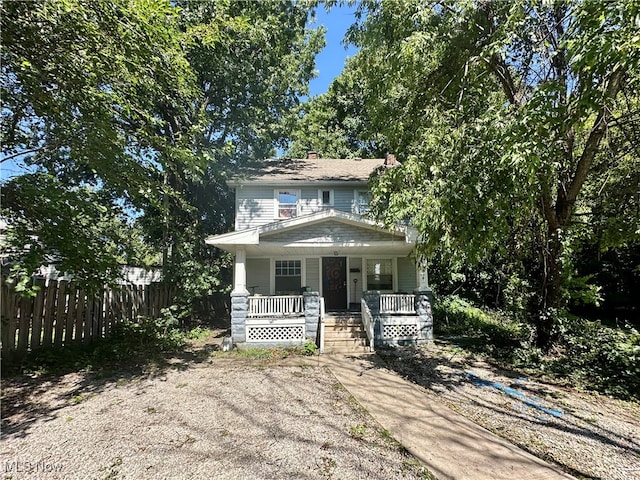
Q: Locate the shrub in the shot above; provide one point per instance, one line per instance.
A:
(131, 342)
(599, 358)
(456, 316)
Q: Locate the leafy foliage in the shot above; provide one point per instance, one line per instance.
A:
(334, 124)
(587, 354)
(130, 344)
(509, 116)
(128, 116)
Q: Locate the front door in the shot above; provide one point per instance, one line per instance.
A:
(334, 283)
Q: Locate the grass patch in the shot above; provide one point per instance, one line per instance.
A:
(358, 431)
(267, 354)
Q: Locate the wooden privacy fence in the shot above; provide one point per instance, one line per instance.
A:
(62, 313)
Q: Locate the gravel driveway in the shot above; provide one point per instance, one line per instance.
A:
(217, 418)
(203, 417)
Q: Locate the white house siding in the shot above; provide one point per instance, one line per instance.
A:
(331, 232)
(355, 291)
(309, 201)
(313, 274)
(254, 206)
(344, 199)
(406, 275)
(259, 275)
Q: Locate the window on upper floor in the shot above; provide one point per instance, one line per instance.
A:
(362, 200)
(287, 203)
(325, 197)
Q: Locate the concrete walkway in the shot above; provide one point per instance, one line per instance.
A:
(451, 446)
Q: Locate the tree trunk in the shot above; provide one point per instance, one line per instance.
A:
(551, 300)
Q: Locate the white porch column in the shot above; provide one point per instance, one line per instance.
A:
(422, 276)
(240, 272)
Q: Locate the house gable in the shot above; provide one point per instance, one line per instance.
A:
(324, 230)
(332, 232)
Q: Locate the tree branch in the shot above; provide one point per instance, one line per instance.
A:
(595, 137)
(19, 154)
(501, 70)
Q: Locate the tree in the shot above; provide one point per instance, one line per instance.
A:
(81, 81)
(252, 61)
(142, 109)
(508, 113)
(335, 124)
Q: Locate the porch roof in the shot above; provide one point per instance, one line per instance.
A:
(327, 232)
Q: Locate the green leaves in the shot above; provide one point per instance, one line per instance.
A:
(130, 115)
(498, 111)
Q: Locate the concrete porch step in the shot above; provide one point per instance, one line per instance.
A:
(341, 332)
(343, 319)
(344, 333)
(346, 341)
(346, 351)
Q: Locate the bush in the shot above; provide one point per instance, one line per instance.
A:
(456, 316)
(599, 358)
(130, 342)
(588, 354)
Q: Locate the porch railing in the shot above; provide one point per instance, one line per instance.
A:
(276, 306)
(367, 322)
(397, 303)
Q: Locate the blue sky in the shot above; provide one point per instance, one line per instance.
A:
(330, 61)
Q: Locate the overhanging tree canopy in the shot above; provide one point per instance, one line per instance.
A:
(509, 113)
(140, 109)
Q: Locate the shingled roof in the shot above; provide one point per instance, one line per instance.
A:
(312, 169)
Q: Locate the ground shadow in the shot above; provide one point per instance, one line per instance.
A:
(29, 398)
(447, 371)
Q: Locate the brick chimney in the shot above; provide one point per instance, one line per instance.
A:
(390, 160)
(312, 155)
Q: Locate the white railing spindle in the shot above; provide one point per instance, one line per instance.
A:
(397, 303)
(276, 306)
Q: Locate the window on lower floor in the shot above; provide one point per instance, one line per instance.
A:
(380, 274)
(288, 277)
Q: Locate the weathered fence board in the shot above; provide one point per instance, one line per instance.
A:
(61, 308)
(61, 313)
(71, 314)
(24, 324)
(38, 304)
(49, 309)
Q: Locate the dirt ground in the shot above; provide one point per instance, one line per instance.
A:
(205, 414)
(198, 417)
(589, 435)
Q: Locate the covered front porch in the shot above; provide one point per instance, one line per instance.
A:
(385, 319)
(289, 273)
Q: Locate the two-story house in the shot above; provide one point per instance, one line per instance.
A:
(303, 246)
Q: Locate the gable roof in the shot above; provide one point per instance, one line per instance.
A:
(282, 232)
(286, 170)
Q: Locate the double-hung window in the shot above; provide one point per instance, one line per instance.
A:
(380, 274)
(287, 203)
(288, 278)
